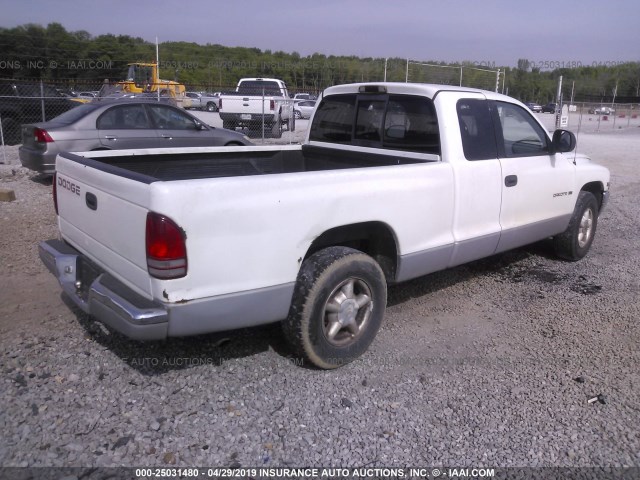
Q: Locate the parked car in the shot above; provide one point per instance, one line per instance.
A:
(534, 107)
(26, 103)
(550, 108)
(203, 101)
(601, 110)
(298, 97)
(304, 108)
(118, 124)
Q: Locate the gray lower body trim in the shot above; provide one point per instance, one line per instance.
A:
(117, 306)
(526, 234)
(417, 264)
(605, 200)
(422, 263)
(228, 312)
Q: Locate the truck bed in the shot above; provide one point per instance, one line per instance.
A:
(233, 163)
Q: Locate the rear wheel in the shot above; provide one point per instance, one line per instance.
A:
(298, 114)
(337, 307)
(574, 243)
(211, 107)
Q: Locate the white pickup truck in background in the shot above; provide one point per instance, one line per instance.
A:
(394, 181)
(260, 104)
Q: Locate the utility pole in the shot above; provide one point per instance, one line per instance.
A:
(559, 102)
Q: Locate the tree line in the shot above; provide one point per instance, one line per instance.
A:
(78, 59)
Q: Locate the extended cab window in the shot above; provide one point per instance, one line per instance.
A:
(411, 124)
(522, 135)
(476, 129)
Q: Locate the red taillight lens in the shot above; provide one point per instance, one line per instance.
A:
(220, 104)
(272, 104)
(55, 192)
(42, 136)
(166, 248)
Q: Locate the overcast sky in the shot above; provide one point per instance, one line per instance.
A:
(500, 31)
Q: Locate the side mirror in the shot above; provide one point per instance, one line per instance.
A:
(563, 141)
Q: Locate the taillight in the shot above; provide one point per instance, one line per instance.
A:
(220, 104)
(166, 248)
(272, 104)
(42, 136)
(55, 192)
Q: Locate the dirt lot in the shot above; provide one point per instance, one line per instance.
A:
(488, 364)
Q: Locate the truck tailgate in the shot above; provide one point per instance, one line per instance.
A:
(246, 105)
(103, 215)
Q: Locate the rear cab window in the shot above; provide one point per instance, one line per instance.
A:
(387, 121)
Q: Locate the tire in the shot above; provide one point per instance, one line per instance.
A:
(297, 114)
(276, 129)
(574, 243)
(211, 107)
(337, 307)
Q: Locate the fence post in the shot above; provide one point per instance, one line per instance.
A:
(44, 117)
(4, 153)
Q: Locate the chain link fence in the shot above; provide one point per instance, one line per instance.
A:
(265, 119)
(274, 119)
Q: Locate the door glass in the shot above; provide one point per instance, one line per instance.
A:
(123, 117)
(522, 135)
(167, 118)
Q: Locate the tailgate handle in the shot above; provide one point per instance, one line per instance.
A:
(92, 201)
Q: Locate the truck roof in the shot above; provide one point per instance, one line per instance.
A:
(423, 89)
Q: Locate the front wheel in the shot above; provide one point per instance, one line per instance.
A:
(574, 243)
(337, 307)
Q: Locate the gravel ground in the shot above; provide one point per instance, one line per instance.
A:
(488, 364)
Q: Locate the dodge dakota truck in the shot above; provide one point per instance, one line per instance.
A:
(393, 181)
(258, 104)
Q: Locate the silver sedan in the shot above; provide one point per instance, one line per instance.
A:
(120, 124)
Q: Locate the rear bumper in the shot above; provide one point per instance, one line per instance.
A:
(105, 298)
(113, 303)
(248, 117)
(37, 161)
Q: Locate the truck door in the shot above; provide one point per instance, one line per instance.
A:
(537, 188)
(471, 149)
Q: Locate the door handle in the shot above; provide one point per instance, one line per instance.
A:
(510, 180)
(110, 137)
(167, 137)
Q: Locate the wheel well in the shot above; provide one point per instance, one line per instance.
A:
(596, 188)
(376, 239)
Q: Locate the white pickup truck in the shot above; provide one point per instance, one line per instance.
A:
(394, 181)
(260, 104)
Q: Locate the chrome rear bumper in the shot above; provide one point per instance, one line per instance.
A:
(102, 296)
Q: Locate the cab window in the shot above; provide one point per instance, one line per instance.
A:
(521, 135)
